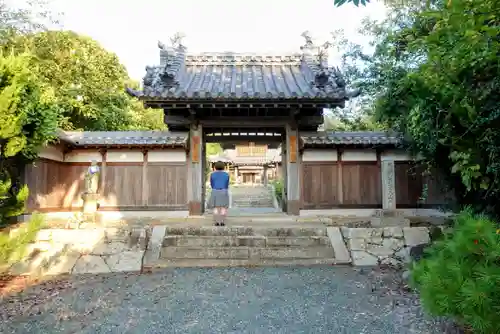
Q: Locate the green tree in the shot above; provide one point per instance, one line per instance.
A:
(28, 119)
(90, 81)
(435, 78)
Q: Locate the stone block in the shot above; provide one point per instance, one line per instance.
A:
(91, 264)
(383, 213)
(118, 234)
(393, 244)
(361, 232)
(125, 261)
(204, 253)
(291, 231)
(403, 255)
(389, 221)
(414, 236)
(297, 241)
(339, 247)
(106, 248)
(251, 241)
(361, 258)
(393, 232)
(53, 261)
(357, 244)
(292, 253)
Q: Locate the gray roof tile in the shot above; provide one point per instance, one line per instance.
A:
(129, 138)
(349, 138)
(234, 76)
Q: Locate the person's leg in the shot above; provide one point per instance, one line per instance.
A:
(223, 213)
(216, 216)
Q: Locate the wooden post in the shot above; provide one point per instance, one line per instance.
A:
(340, 177)
(293, 170)
(145, 178)
(195, 177)
(102, 184)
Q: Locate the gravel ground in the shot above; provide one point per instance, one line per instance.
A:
(230, 300)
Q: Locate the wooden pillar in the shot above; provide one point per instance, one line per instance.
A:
(340, 177)
(292, 170)
(265, 180)
(145, 178)
(102, 184)
(195, 166)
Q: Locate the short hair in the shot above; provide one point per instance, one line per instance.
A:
(219, 165)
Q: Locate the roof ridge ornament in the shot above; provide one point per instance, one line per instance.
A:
(172, 60)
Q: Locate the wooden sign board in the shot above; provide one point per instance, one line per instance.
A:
(293, 148)
(195, 149)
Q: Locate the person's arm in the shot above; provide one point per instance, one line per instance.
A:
(227, 181)
(212, 180)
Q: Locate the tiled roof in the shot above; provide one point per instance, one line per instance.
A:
(272, 155)
(233, 76)
(129, 138)
(349, 138)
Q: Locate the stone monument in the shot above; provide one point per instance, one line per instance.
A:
(90, 196)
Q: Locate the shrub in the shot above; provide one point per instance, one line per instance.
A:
(278, 188)
(13, 246)
(460, 276)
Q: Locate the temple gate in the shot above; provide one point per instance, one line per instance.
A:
(228, 97)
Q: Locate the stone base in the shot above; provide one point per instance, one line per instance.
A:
(90, 203)
(195, 209)
(293, 208)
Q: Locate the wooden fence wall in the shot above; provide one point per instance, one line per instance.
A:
(57, 186)
(358, 184)
(347, 184)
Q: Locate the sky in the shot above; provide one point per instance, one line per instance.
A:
(132, 29)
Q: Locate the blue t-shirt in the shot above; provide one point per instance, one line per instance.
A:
(219, 180)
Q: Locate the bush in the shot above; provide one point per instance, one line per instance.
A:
(460, 276)
(278, 189)
(13, 246)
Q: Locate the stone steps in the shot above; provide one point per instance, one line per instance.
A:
(246, 253)
(193, 246)
(215, 263)
(244, 241)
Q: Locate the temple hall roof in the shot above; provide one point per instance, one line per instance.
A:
(238, 77)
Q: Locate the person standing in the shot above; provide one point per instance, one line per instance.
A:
(219, 196)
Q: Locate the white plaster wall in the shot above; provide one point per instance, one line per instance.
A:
(51, 152)
(167, 156)
(124, 156)
(319, 155)
(83, 156)
(359, 155)
(395, 155)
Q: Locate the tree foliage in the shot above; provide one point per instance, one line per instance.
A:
(435, 76)
(51, 80)
(90, 81)
(28, 119)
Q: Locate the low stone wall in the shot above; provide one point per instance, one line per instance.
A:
(80, 251)
(387, 245)
(134, 249)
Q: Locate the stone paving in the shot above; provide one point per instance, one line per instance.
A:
(231, 300)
